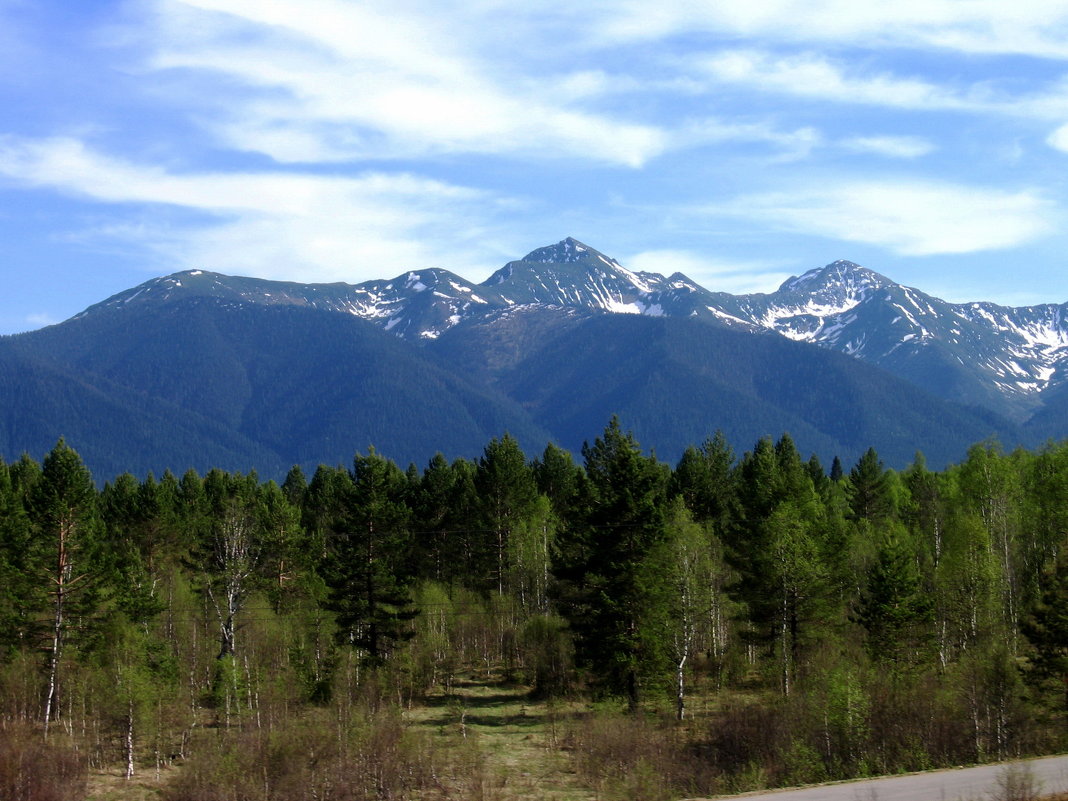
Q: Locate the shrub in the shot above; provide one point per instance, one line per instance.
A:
(33, 770)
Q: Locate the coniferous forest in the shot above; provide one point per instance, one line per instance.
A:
(635, 629)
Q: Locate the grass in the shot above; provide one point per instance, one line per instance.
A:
(524, 748)
(112, 785)
(521, 741)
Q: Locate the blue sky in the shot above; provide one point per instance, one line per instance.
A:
(739, 141)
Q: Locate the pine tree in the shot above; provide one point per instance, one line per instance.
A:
(368, 559)
(560, 480)
(16, 579)
(125, 523)
(617, 594)
(1046, 628)
(704, 478)
(895, 609)
(778, 553)
(869, 489)
(295, 486)
(506, 494)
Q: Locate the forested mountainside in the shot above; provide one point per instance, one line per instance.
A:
(774, 620)
(979, 353)
(200, 369)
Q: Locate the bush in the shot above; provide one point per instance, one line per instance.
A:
(376, 757)
(628, 756)
(33, 770)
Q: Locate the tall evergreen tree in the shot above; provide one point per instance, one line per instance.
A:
(1046, 629)
(779, 553)
(295, 486)
(129, 513)
(560, 480)
(17, 582)
(368, 559)
(869, 489)
(618, 591)
(506, 494)
(704, 478)
(896, 609)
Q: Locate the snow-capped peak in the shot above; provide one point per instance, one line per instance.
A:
(842, 275)
(566, 251)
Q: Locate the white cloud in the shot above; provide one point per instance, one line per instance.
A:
(913, 219)
(815, 76)
(1058, 140)
(1038, 27)
(898, 147)
(283, 225)
(794, 144)
(339, 81)
(717, 275)
(40, 320)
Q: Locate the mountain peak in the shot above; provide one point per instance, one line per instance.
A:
(841, 275)
(566, 251)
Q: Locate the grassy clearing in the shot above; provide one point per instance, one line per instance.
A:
(523, 742)
(112, 785)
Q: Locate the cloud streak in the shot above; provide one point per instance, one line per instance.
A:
(342, 81)
(907, 218)
(292, 225)
(1038, 28)
(718, 275)
(812, 76)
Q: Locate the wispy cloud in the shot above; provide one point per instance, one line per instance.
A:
(796, 143)
(292, 225)
(344, 81)
(718, 275)
(40, 320)
(908, 218)
(897, 147)
(1058, 140)
(1037, 28)
(814, 76)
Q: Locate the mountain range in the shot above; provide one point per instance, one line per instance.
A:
(201, 369)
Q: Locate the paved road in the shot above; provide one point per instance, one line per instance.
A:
(964, 784)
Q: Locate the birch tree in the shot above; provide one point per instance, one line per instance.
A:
(67, 555)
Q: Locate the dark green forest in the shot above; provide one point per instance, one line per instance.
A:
(723, 624)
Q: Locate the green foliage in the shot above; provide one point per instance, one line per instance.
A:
(506, 495)
(869, 489)
(617, 599)
(799, 636)
(894, 609)
(1046, 629)
(366, 565)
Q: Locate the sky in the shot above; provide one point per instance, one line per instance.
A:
(737, 141)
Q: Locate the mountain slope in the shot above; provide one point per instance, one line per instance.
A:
(244, 373)
(998, 357)
(1003, 359)
(675, 381)
(300, 385)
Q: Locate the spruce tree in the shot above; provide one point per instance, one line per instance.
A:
(704, 478)
(895, 609)
(368, 566)
(1046, 629)
(618, 592)
(869, 489)
(506, 493)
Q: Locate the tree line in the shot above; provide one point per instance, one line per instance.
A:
(885, 620)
